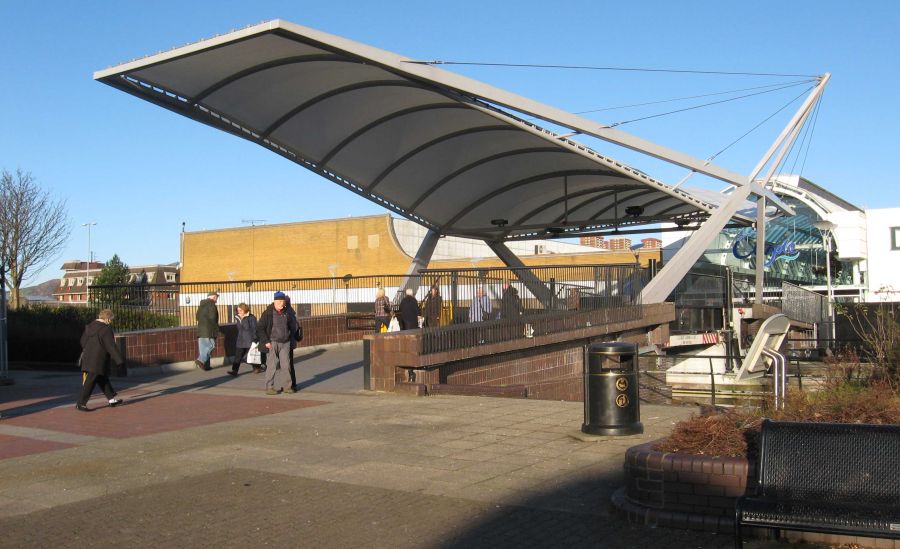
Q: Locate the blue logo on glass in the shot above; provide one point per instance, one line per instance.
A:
(744, 246)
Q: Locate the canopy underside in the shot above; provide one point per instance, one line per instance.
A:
(400, 134)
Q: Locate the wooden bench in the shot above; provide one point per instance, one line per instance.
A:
(825, 477)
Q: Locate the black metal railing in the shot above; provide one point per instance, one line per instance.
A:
(484, 306)
(553, 289)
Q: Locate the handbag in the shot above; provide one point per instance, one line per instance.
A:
(253, 354)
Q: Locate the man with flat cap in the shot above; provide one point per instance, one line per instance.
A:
(274, 331)
(207, 328)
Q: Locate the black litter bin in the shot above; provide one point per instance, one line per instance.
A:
(611, 404)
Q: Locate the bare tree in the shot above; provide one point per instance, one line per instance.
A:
(33, 229)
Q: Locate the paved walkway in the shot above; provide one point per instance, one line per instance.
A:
(201, 458)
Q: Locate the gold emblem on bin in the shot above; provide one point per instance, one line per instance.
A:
(622, 383)
(622, 401)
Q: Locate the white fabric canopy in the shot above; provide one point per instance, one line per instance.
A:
(421, 141)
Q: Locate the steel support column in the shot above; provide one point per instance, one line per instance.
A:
(411, 279)
(533, 283)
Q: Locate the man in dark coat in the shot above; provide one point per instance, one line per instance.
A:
(431, 308)
(511, 312)
(275, 332)
(98, 346)
(207, 329)
(409, 311)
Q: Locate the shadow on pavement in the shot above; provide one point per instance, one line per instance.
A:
(66, 388)
(319, 378)
(575, 514)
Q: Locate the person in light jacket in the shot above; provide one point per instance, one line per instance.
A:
(98, 346)
(245, 337)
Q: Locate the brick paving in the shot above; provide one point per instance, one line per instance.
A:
(13, 446)
(145, 413)
(203, 459)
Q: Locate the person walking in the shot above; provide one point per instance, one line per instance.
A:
(207, 329)
(382, 311)
(98, 346)
(274, 331)
(246, 335)
(409, 311)
(431, 307)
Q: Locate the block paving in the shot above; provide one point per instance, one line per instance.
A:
(203, 459)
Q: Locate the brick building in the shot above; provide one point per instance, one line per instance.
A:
(359, 246)
(619, 243)
(79, 275)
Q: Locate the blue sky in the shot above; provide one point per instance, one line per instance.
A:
(140, 171)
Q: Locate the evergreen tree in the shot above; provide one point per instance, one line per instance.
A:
(113, 280)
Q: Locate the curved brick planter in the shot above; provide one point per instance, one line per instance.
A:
(682, 490)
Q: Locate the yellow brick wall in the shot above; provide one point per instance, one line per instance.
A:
(305, 250)
(294, 250)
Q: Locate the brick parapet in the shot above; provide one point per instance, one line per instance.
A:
(682, 490)
(173, 345)
(549, 366)
(695, 492)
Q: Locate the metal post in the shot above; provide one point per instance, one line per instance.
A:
(454, 297)
(87, 266)
(4, 355)
(729, 321)
(830, 290)
(552, 293)
(825, 229)
(760, 247)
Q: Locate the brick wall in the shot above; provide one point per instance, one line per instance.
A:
(681, 490)
(172, 345)
(549, 367)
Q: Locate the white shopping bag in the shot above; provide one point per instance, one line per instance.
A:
(253, 355)
(394, 325)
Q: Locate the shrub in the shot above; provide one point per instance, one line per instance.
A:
(735, 432)
(52, 334)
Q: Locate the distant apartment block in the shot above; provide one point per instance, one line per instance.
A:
(595, 242)
(619, 243)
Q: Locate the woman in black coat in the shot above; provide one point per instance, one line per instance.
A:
(98, 346)
(246, 336)
(409, 312)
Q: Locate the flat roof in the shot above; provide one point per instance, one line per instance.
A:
(437, 148)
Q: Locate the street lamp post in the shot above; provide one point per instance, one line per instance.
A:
(826, 230)
(87, 268)
(4, 354)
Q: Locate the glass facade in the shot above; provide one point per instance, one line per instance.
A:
(794, 250)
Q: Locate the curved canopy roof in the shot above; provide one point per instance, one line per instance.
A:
(418, 140)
